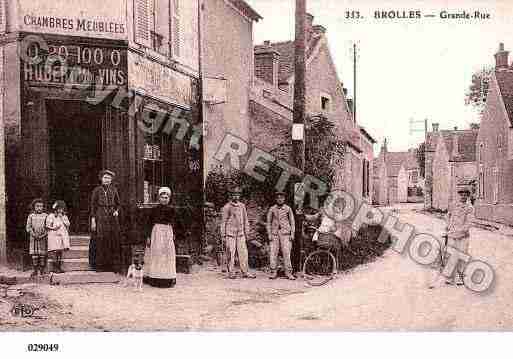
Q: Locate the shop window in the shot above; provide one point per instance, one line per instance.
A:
(153, 155)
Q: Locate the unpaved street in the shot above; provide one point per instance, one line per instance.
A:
(389, 294)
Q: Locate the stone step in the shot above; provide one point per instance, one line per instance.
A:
(71, 264)
(85, 277)
(76, 253)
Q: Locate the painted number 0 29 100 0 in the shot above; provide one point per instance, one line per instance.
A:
(43, 347)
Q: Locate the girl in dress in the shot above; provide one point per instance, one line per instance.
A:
(57, 224)
(161, 258)
(38, 237)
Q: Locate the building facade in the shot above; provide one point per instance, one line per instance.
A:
(495, 146)
(397, 173)
(227, 70)
(99, 85)
(271, 105)
(452, 161)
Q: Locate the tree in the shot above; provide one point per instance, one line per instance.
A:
(478, 90)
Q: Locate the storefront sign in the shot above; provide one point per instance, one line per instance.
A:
(159, 81)
(93, 18)
(68, 62)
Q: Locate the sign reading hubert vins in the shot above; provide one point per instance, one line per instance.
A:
(64, 60)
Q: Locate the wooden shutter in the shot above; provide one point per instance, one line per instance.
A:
(176, 31)
(3, 17)
(143, 10)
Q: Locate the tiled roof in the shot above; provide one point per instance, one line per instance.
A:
(247, 10)
(505, 81)
(466, 144)
(394, 161)
(286, 50)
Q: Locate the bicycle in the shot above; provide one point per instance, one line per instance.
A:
(321, 266)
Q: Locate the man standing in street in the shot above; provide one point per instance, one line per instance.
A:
(280, 229)
(459, 222)
(234, 231)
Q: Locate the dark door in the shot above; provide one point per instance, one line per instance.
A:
(75, 156)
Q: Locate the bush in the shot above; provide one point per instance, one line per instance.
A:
(364, 248)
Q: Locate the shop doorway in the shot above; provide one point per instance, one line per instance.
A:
(75, 156)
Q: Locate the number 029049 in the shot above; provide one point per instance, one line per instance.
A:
(43, 347)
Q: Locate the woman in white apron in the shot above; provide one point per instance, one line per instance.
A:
(160, 261)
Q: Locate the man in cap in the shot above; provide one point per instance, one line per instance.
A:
(280, 229)
(459, 221)
(234, 231)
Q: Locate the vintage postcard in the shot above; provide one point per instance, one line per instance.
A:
(258, 165)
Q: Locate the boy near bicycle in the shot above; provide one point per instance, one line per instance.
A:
(281, 229)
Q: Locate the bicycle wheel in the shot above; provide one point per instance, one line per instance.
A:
(319, 267)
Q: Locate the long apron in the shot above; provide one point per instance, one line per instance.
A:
(160, 261)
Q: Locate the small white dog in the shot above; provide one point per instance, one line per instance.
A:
(134, 276)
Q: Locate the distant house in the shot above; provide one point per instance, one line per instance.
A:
(495, 146)
(380, 182)
(450, 159)
(394, 174)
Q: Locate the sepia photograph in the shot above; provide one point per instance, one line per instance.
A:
(267, 167)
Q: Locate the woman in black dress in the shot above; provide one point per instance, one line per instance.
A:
(105, 247)
(160, 262)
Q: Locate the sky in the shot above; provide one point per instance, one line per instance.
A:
(408, 70)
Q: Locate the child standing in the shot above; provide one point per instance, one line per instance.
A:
(57, 224)
(38, 237)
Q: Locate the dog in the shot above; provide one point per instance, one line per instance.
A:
(134, 276)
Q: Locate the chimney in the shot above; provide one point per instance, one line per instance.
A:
(309, 26)
(435, 127)
(384, 148)
(267, 62)
(455, 151)
(501, 57)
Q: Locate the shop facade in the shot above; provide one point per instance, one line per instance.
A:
(80, 97)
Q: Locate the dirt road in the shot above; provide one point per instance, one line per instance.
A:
(388, 294)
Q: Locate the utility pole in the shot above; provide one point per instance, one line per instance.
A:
(354, 82)
(298, 126)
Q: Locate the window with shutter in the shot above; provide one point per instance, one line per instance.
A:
(143, 20)
(2, 17)
(176, 36)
